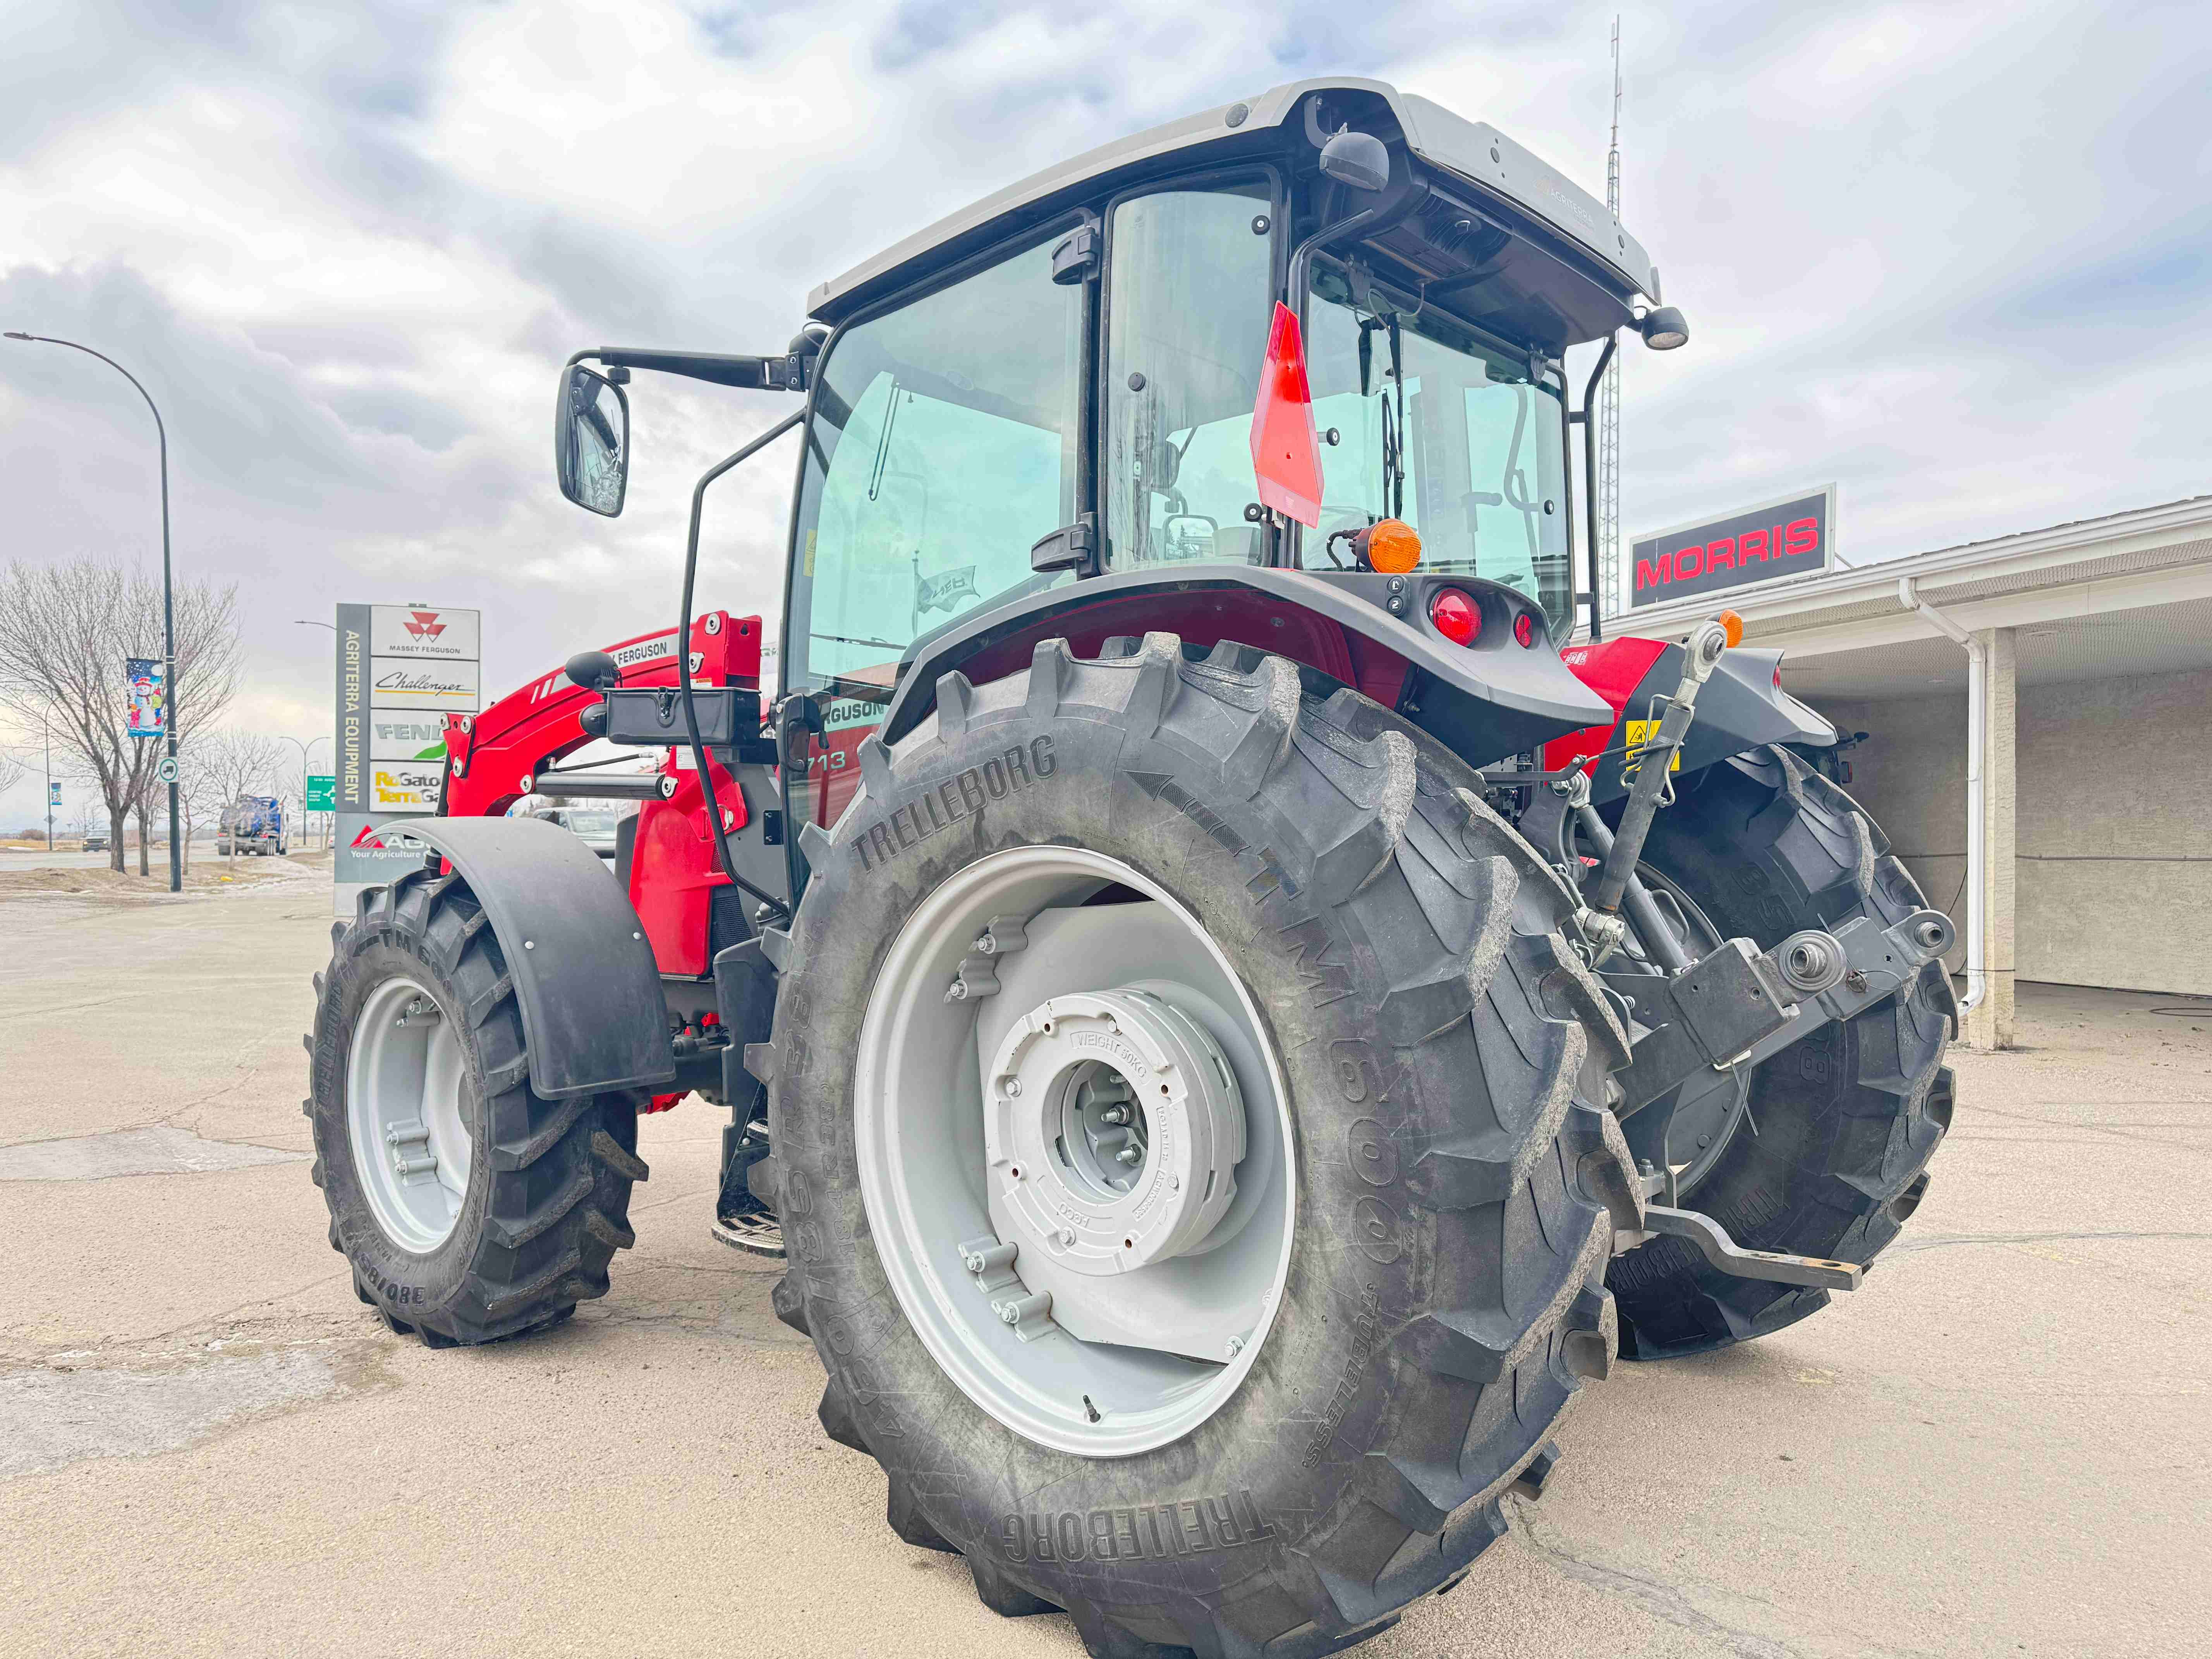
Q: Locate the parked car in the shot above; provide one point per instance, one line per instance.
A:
(252, 823)
(595, 826)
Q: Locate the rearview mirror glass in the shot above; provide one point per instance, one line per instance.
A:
(591, 440)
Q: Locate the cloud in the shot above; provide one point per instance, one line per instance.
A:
(1949, 258)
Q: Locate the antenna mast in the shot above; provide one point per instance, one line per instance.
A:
(1607, 599)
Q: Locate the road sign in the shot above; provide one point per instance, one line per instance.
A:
(167, 771)
(322, 794)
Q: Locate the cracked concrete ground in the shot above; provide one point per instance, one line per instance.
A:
(208, 1447)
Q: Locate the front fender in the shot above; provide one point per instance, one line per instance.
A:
(592, 1014)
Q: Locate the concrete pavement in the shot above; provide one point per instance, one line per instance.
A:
(207, 1446)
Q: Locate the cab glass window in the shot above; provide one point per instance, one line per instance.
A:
(942, 444)
(1422, 420)
(1188, 302)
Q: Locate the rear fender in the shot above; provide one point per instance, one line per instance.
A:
(1741, 707)
(1495, 697)
(592, 1013)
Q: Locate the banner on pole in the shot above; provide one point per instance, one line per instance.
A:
(149, 716)
(53, 794)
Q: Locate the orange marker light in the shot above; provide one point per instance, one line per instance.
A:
(1731, 627)
(1392, 547)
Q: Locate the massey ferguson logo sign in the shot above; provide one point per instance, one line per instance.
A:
(423, 630)
(1757, 544)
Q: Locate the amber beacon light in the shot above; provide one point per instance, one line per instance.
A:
(1391, 546)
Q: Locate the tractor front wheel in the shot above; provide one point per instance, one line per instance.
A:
(470, 1206)
(1183, 1146)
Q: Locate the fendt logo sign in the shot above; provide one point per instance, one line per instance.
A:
(1787, 537)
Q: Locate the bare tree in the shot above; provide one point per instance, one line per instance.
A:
(224, 765)
(65, 631)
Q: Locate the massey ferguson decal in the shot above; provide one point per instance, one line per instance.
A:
(1759, 543)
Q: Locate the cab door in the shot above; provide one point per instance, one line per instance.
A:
(947, 433)
(1191, 279)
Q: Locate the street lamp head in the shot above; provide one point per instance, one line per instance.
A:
(15, 335)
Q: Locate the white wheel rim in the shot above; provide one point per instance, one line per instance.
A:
(411, 1148)
(1165, 1343)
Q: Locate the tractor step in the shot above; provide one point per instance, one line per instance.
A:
(758, 1234)
(1713, 1242)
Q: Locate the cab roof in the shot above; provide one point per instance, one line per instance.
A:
(1473, 151)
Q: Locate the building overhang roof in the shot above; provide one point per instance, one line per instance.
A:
(2128, 593)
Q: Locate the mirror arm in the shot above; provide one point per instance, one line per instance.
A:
(683, 660)
(780, 373)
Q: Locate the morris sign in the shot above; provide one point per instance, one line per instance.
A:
(1757, 544)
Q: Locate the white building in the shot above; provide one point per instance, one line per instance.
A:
(2095, 646)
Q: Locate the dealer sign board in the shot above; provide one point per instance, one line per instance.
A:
(401, 669)
(1787, 537)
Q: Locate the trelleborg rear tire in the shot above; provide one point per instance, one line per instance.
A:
(470, 1206)
(1449, 1197)
(1840, 1126)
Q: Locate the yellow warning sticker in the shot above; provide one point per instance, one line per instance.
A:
(1639, 732)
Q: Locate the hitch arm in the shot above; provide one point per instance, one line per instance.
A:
(1711, 1240)
(1704, 652)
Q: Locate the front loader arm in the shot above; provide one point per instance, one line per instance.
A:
(494, 758)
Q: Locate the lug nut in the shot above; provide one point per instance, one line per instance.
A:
(1128, 1155)
(1115, 1114)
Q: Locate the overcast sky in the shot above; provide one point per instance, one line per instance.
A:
(1952, 257)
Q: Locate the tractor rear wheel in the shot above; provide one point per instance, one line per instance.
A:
(1180, 1104)
(1826, 1153)
(470, 1206)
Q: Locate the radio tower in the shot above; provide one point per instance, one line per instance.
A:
(1608, 483)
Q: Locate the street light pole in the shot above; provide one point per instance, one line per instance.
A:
(168, 598)
(304, 748)
(307, 621)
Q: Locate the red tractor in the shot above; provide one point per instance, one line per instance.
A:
(1230, 1029)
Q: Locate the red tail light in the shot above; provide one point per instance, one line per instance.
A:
(1454, 615)
(1524, 630)
(1285, 450)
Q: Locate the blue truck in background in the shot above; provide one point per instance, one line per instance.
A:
(252, 823)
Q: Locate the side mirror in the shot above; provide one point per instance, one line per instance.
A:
(591, 440)
(1188, 535)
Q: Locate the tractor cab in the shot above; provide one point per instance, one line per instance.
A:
(1086, 350)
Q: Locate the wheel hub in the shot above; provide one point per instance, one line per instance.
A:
(1114, 1128)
